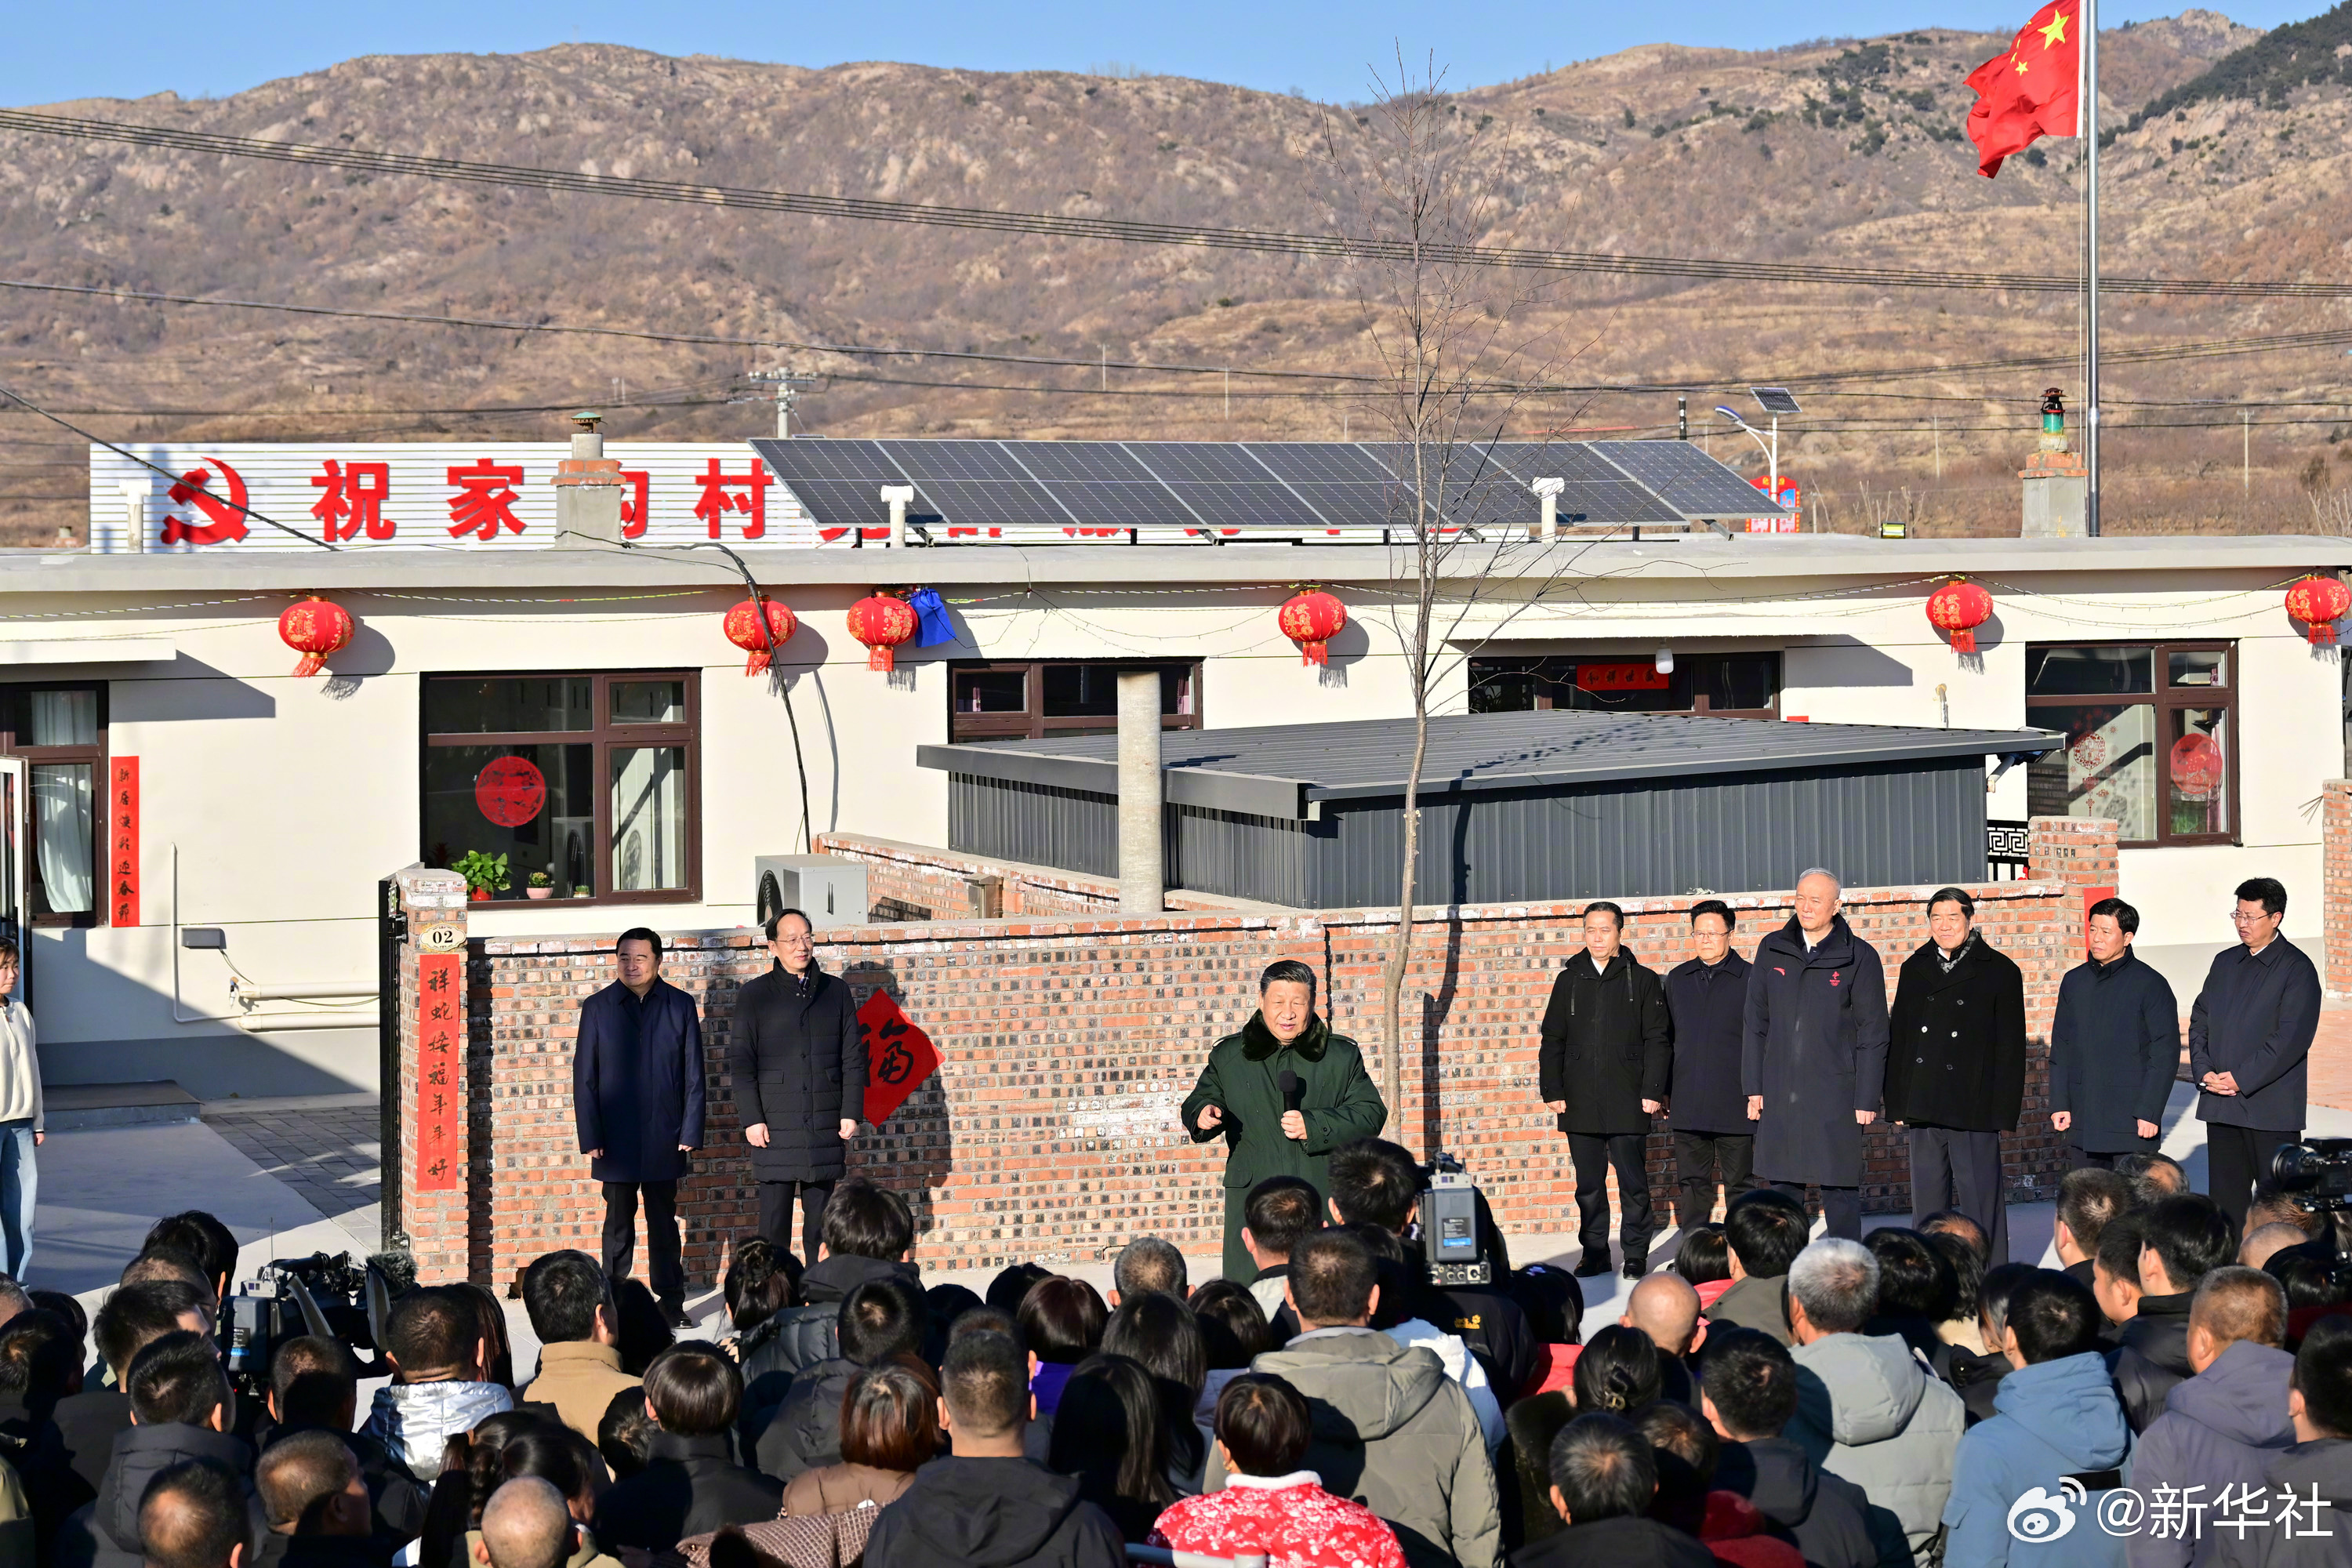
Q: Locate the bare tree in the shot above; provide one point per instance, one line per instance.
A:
(1456, 360)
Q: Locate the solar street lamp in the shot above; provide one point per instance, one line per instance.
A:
(1775, 401)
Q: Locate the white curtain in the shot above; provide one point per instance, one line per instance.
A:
(64, 718)
(62, 830)
(648, 818)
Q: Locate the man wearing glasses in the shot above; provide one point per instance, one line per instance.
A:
(798, 1059)
(2249, 1040)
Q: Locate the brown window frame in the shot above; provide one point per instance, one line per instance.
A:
(15, 710)
(2163, 698)
(1543, 703)
(1031, 724)
(603, 736)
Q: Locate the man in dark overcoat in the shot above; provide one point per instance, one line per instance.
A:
(2115, 1045)
(1706, 999)
(1602, 1067)
(1816, 1052)
(2249, 1035)
(637, 1097)
(798, 1060)
(1956, 1066)
(1239, 1098)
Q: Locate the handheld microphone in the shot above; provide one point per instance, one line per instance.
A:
(1293, 1091)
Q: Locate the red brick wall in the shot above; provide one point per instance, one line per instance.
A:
(2335, 868)
(923, 878)
(1050, 1130)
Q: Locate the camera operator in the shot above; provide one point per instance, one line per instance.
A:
(314, 1387)
(1375, 1181)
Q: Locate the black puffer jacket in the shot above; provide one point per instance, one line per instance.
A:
(798, 1060)
(807, 1432)
(797, 1338)
(106, 1534)
(688, 1487)
(992, 1514)
(2153, 1359)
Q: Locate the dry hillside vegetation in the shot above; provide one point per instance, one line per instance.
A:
(1844, 151)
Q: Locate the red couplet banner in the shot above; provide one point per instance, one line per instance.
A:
(122, 840)
(440, 1058)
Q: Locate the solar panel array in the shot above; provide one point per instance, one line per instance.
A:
(1036, 492)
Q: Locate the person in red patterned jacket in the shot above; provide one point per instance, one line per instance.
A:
(1269, 1505)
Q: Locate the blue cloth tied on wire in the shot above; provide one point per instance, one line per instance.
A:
(932, 626)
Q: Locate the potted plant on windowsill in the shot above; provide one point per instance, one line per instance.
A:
(540, 886)
(484, 874)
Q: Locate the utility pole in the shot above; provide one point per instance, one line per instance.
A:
(2087, 115)
(2246, 457)
(1936, 422)
(787, 395)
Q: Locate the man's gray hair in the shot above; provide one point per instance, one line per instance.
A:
(1148, 1263)
(1836, 1282)
(1811, 871)
(14, 1299)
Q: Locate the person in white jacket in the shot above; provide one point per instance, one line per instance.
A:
(21, 1122)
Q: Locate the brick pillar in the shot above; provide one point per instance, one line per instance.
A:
(431, 1158)
(2077, 852)
(2336, 869)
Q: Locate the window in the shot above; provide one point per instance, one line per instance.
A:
(60, 731)
(589, 780)
(1727, 685)
(1012, 701)
(2151, 730)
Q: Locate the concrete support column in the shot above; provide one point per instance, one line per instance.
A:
(1142, 877)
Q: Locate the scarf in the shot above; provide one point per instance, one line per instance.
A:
(1950, 961)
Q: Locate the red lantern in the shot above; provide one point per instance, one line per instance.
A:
(2319, 603)
(1959, 607)
(881, 623)
(315, 629)
(1311, 620)
(743, 631)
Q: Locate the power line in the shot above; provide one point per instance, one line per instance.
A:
(1126, 230)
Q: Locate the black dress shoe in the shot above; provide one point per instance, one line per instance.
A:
(678, 1316)
(1633, 1271)
(1593, 1267)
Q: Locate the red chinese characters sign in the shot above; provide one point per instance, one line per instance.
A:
(1622, 678)
(898, 1055)
(122, 841)
(440, 1062)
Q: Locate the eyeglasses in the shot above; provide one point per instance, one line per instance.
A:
(2239, 917)
(803, 939)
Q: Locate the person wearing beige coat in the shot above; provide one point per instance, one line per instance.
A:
(22, 1127)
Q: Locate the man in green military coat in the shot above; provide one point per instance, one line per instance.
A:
(1240, 1098)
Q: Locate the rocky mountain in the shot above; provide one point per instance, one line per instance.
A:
(1843, 152)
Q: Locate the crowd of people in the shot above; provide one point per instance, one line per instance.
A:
(2174, 1394)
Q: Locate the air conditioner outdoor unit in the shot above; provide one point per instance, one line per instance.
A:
(828, 888)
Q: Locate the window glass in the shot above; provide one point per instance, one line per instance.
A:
(648, 818)
(2088, 671)
(992, 691)
(63, 837)
(510, 705)
(62, 718)
(649, 702)
(535, 805)
(1091, 692)
(2197, 770)
(2108, 767)
(1627, 682)
(2200, 666)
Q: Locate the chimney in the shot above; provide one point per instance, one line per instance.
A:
(2057, 483)
(588, 486)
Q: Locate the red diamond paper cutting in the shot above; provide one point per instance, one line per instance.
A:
(898, 1055)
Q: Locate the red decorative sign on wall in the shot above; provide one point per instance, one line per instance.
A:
(512, 791)
(440, 1062)
(898, 1055)
(122, 841)
(1622, 678)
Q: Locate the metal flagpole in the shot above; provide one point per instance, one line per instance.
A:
(2088, 116)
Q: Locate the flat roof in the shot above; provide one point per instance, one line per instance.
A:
(1680, 558)
(1282, 770)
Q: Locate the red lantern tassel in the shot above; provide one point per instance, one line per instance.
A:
(312, 664)
(1315, 653)
(2323, 633)
(758, 663)
(879, 658)
(1964, 642)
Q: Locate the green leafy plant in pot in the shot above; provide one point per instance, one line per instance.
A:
(539, 884)
(484, 874)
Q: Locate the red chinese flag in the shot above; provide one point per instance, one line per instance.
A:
(2031, 91)
(898, 1055)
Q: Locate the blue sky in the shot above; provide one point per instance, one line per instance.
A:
(1320, 46)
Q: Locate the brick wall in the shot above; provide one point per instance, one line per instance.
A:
(1050, 1130)
(902, 878)
(2335, 870)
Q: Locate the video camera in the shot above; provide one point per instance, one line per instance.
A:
(1452, 1225)
(2317, 1169)
(330, 1296)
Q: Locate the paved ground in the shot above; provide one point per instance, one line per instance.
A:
(331, 1154)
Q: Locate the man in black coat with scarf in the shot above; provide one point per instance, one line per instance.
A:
(1956, 1066)
(2115, 1045)
(1603, 1064)
(637, 1098)
(1707, 999)
(798, 1059)
(1816, 1056)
